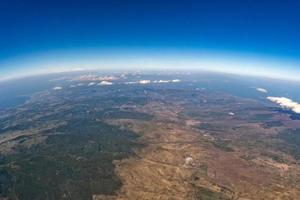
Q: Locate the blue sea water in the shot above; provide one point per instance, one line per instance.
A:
(16, 92)
(246, 86)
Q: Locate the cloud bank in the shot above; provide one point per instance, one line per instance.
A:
(286, 103)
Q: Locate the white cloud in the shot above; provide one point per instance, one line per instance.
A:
(91, 83)
(91, 77)
(263, 90)
(57, 88)
(105, 83)
(164, 81)
(167, 81)
(144, 81)
(189, 161)
(131, 82)
(286, 103)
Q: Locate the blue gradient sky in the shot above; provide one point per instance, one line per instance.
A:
(258, 37)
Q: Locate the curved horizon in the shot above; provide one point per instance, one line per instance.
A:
(253, 38)
(153, 59)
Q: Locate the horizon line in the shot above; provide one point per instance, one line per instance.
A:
(106, 70)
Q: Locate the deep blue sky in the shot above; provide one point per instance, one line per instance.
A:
(262, 27)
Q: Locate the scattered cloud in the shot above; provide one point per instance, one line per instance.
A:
(263, 90)
(189, 161)
(57, 88)
(144, 81)
(105, 83)
(167, 81)
(93, 78)
(131, 82)
(164, 81)
(91, 83)
(231, 113)
(286, 103)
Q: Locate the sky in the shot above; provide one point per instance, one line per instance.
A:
(258, 37)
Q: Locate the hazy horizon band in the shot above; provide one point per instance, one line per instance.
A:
(64, 61)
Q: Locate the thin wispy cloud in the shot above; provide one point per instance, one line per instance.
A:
(167, 81)
(57, 88)
(263, 90)
(91, 83)
(90, 77)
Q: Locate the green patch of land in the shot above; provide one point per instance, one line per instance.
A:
(75, 163)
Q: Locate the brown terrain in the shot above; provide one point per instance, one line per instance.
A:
(180, 161)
